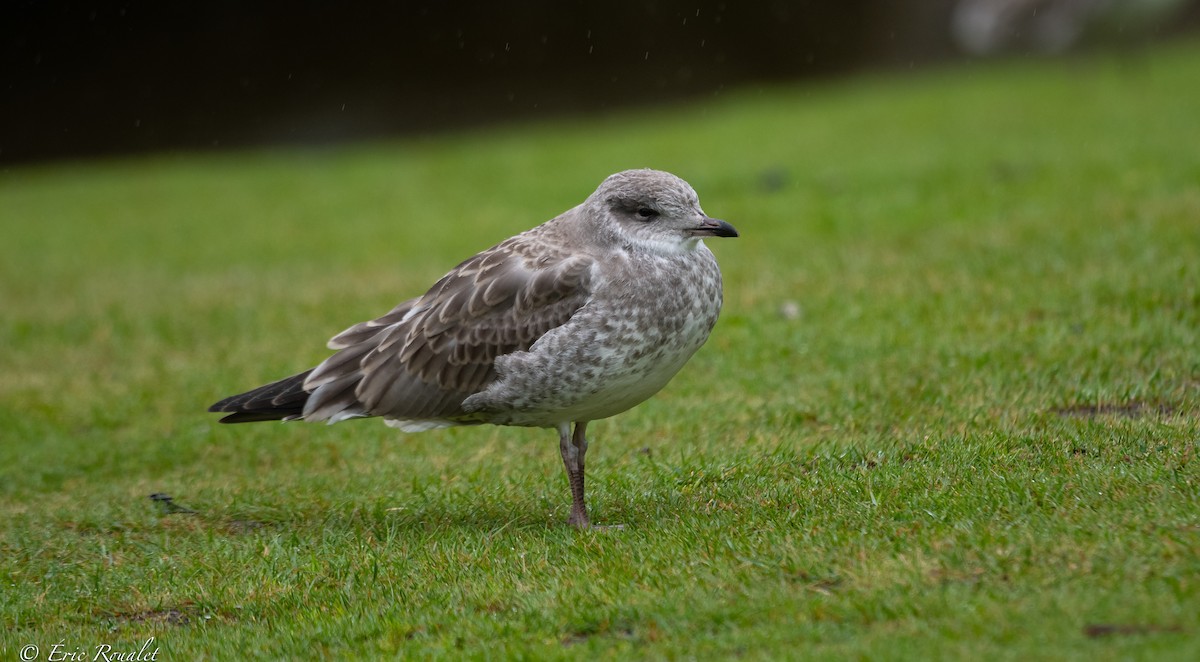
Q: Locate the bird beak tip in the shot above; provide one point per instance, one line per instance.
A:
(715, 227)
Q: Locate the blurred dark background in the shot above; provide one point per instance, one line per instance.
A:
(91, 79)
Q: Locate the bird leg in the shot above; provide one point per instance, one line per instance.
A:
(573, 447)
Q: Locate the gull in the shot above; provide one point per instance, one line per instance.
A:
(578, 319)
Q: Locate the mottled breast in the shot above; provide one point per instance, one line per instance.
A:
(649, 312)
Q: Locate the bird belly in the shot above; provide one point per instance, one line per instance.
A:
(626, 390)
(595, 366)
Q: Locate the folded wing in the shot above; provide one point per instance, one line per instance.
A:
(421, 360)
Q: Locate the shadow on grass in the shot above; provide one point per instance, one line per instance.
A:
(1134, 409)
(381, 519)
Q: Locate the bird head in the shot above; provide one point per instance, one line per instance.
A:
(654, 210)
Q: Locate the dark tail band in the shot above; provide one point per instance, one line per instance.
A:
(277, 401)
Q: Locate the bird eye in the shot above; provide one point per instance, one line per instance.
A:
(647, 213)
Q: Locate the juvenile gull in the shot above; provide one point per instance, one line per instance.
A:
(578, 319)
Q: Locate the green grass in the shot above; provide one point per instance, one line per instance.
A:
(975, 439)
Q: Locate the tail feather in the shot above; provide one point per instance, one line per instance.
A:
(280, 400)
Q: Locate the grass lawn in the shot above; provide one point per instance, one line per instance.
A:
(950, 410)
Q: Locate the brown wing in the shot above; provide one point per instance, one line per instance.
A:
(422, 359)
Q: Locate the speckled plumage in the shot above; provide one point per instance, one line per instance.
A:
(575, 320)
(648, 313)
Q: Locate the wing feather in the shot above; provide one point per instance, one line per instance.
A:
(365, 330)
(427, 355)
